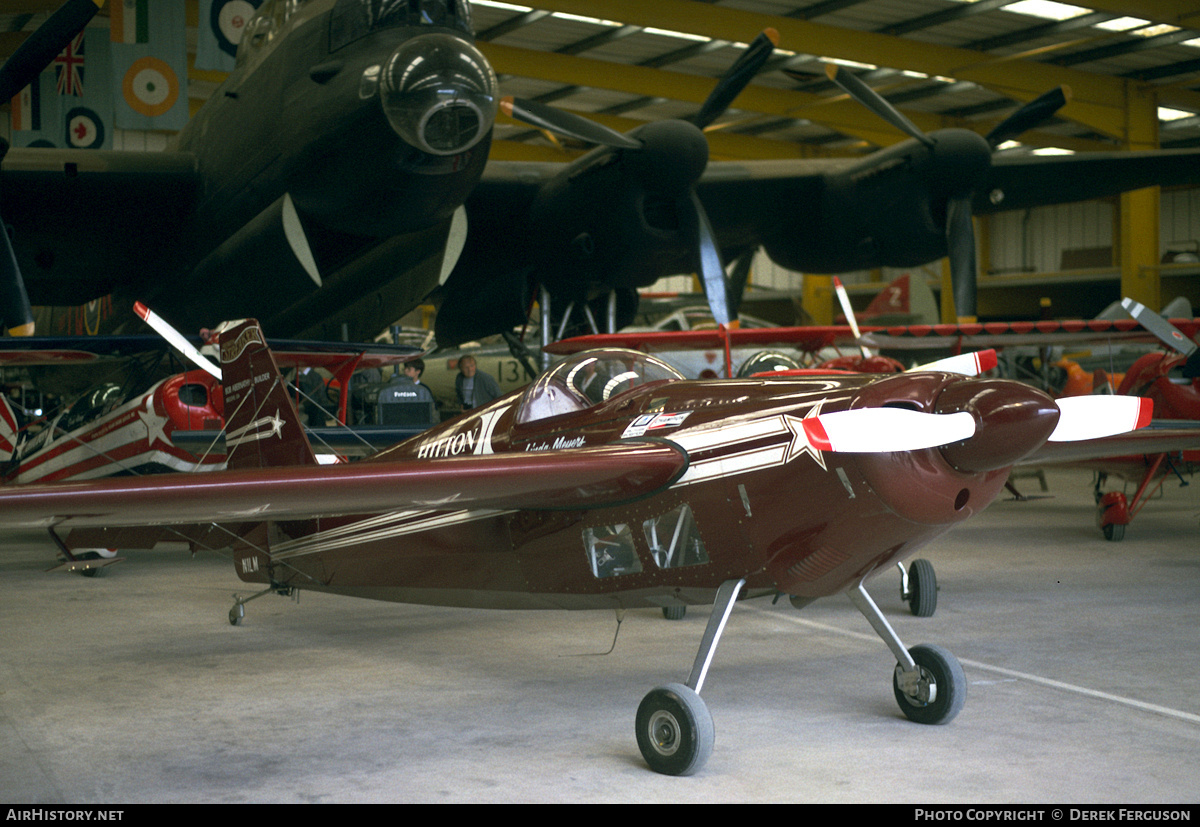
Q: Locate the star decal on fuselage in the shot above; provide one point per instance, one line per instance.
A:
(156, 426)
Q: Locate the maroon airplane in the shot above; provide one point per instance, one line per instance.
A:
(610, 482)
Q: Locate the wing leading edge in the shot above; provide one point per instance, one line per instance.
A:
(579, 478)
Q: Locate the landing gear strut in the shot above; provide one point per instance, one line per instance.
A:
(928, 682)
(673, 725)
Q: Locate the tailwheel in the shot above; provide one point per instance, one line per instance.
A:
(1114, 532)
(935, 691)
(674, 730)
(674, 612)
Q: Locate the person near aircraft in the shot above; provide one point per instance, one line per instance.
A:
(405, 400)
(473, 386)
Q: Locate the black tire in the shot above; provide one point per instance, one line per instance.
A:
(1114, 532)
(674, 612)
(943, 687)
(922, 588)
(674, 730)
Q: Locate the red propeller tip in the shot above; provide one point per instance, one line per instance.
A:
(987, 360)
(1145, 412)
(506, 105)
(772, 35)
(814, 431)
(141, 310)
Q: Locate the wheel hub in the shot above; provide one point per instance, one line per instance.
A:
(919, 686)
(664, 733)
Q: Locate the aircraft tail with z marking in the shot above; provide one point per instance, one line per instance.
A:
(262, 426)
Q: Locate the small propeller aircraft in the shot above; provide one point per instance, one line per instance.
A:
(610, 482)
(1172, 383)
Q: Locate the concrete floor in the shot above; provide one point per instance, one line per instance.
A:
(1081, 656)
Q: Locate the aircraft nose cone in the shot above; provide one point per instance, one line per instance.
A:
(439, 93)
(1012, 420)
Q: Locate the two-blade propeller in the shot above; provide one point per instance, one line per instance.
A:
(23, 68)
(1167, 333)
(960, 232)
(692, 217)
(874, 430)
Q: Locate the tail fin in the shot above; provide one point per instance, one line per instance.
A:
(262, 427)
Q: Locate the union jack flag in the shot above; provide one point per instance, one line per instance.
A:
(68, 67)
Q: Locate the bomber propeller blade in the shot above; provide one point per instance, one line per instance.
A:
(685, 167)
(960, 233)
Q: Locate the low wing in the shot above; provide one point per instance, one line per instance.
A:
(81, 218)
(1158, 438)
(563, 479)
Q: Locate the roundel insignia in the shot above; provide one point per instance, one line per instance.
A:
(228, 21)
(85, 130)
(150, 87)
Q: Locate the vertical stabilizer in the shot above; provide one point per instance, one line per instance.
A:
(262, 427)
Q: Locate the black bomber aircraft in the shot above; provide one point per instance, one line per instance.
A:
(316, 187)
(320, 190)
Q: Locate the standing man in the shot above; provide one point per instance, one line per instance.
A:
(474, 387)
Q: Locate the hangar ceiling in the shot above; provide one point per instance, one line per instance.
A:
(942, 62)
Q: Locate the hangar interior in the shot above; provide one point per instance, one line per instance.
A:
(1079, 653)
(1131, 68)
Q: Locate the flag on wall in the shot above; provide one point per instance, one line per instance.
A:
(36, 113)
(88, 114)
(220, 31)
(70, 103)
(149, 59)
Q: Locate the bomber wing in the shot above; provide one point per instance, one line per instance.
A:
(578, 478)
(1023, 181)
(86, 221)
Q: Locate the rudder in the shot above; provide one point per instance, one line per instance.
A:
(262, 427)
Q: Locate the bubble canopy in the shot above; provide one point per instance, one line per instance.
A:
(589, 378)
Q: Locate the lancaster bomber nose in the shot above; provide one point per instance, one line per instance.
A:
(439, 93)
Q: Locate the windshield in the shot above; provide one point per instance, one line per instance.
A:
(354, 19)
(588, 378)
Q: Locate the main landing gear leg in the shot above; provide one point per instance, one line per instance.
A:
(928, 682)
(674, 727)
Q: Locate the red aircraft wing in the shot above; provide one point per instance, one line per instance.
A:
(1000, 334)
(578, 478)
(811, 338)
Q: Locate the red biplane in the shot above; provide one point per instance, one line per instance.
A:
(610, 482)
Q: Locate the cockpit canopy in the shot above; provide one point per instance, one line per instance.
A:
(354, 19)
(589, 378)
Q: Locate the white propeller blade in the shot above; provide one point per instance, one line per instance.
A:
(1092, 417)
(967, 364)
(175, 339)
(849, 311)
(881, 430)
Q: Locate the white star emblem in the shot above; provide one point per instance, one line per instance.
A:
(156, 426)
(800, 444)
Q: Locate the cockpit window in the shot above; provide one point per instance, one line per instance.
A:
(354, 19)
(589, 378)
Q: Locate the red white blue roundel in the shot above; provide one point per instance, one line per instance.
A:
(228, 20)
(85, 130)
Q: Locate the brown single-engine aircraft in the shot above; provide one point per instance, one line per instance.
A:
(610, 482)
